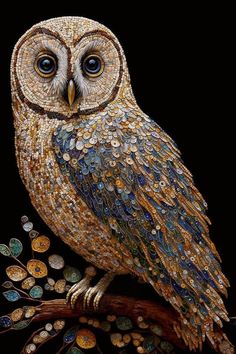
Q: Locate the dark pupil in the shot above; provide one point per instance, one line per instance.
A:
(92, 65)
(46, 65)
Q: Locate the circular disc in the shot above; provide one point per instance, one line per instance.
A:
(37, 268)
(40, 244)
(56, 262)
(85, 339)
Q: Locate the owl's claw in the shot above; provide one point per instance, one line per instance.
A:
(77, 289)
(97, 291)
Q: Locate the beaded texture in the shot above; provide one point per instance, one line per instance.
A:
(108, 180)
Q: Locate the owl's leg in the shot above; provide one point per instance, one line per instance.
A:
(77, 289)
(98, 290)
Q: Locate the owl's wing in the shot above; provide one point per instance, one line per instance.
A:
(129, 172)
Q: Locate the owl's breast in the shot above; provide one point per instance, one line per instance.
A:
(57, 202)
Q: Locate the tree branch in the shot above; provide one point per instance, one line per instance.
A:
(118, 305)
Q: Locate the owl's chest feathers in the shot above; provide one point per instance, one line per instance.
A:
(55, 199)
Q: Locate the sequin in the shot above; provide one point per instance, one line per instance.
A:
(79, 145)
(11, 295)
(105, 326)
(21, 325)
(15, 246)
(7, 284)
(72, 274)
(56, 261)
(70, 335)
(93, 141)
(36, 292)
(129, 161)
(115, 143)
(60, 286)
(85, 339)
(4, 250)
(40, 244)
(37, 268)
(5, 322)
(28, 226)
(86, 135)
(116, 338)
(28, 283)
(123, 323)
(16, 273)
(112, 163)
(17, 315)
(66, 157)
(59, 325)
(48, 327)
(29, 311)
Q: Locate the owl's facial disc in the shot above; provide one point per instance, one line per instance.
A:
(67, 72)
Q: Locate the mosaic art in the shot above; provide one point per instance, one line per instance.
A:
(107, 179)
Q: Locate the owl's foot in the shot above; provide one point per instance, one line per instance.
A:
(97, 291)
(77, 289)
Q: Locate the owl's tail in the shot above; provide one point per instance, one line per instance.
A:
(216, 337)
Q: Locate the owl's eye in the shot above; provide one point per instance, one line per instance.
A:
(46, 65)
(92, 65)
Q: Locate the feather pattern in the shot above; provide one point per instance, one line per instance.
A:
(129, 172)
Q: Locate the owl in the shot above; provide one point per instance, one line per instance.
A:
(107, 179)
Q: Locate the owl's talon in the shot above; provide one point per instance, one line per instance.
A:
(77, 289)
(97, 291)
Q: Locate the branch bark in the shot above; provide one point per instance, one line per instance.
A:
(118, 305)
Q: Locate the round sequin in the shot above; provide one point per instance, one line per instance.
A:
(5, 322)
(56, 262)
(29, 311)
(115, 143)
(15, 246)
(40, 244)
(37, 268)
(37, 339)
(79, 145)
(51, 281)
(86, 135)
(59, 325)
(85, 339)
(60, 286)
(28, 226)
(28, 283)
(123, 323)
(17, 315)
(16, 273)
(72, 274)
(44, 334)
(30, 348)
(48, 327)
(36, 292)
(66, 157)
(129, 161)
(93, 141)
(116, 338)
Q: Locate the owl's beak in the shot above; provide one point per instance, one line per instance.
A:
(71, 92)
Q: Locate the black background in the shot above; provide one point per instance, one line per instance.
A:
(180, 64)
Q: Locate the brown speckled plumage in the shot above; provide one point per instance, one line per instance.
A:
(107, 179)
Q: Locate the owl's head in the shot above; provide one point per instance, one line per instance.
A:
(68, 65)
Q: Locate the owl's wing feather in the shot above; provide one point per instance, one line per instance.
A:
(129, 172)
